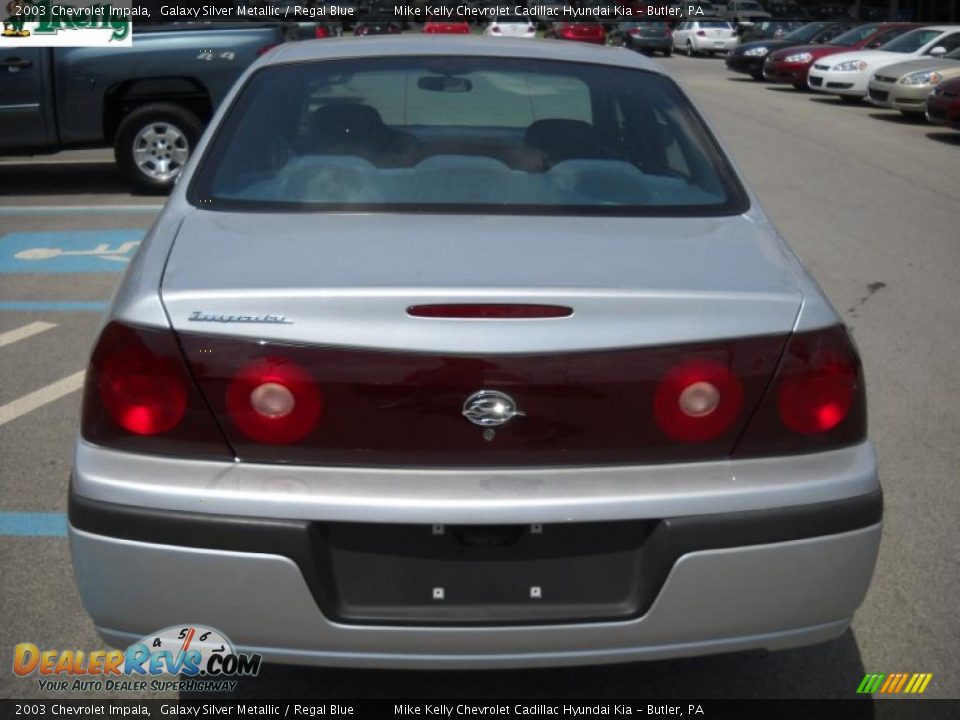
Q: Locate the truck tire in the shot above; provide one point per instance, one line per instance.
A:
(154, 142)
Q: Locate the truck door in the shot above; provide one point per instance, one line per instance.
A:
(23, 115)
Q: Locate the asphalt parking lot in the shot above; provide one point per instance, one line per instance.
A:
(867, 199)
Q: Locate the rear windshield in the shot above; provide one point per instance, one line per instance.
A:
(464, 134)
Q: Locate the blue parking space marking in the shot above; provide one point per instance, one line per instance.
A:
(69, 251)
(33, 524)
(53, 305)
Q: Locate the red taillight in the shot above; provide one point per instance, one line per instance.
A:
(817, 400)
(495, 30)
(816, 389)
(398, 408)
(144, 393)
(140, 396)
(321, 32)
(697, 400)
(489, 311)
(273, 400)
(701, 33)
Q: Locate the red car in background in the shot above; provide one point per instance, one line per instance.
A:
(581, 32)
(943, 104)
(446, 28)
(791, 65)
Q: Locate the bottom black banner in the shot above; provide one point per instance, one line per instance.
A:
(886, 709)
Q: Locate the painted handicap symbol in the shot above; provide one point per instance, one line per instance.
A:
(68, 251)
(101, 251)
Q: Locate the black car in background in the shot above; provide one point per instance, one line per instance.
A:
(749, 57)
(646, 37)
(771, 29)
(787, 9)
(364, 29)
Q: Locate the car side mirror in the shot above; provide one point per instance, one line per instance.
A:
(938, 51)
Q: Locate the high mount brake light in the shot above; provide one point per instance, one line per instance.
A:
(139, 396)
(493, 311)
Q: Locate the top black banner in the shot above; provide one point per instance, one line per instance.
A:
(541, 12)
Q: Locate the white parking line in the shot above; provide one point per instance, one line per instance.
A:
(41, 397)
(32, 161)
(22, 333)
(11, 210)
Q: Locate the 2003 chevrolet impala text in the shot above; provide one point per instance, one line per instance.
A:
(449, 352)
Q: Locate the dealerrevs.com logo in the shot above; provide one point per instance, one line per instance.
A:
(65, 23)
(204, 659)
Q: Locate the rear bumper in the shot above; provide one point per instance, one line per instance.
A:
(723, 45)
(769, 596)
(769, 577)
(641, 43)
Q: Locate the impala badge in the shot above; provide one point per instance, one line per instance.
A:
(200, 316)
(489, 408)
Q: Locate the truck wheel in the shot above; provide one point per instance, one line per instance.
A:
(154, 142)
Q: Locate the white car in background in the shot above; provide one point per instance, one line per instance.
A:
(848, 74)
(696, 37)
(510, 26)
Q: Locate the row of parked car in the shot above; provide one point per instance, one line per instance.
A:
(907, 67)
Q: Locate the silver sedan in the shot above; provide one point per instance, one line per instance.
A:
(447, 352)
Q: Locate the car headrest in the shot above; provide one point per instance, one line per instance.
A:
(346, 125)
(561, 139)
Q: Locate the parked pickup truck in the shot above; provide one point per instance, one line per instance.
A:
(149, 101)
(743, 13)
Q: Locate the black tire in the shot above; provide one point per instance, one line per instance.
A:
(757, 75)
(667, 53)
(188, 125)
(689, 49)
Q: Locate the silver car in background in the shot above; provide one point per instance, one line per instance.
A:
(447, 352)
(906, 86)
